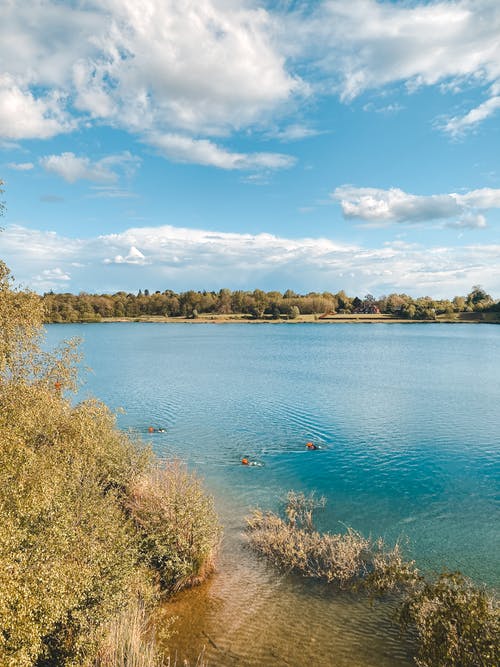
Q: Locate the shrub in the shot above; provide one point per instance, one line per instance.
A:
(457, 624)
(71, 557)
(179, 527)
(347, 559)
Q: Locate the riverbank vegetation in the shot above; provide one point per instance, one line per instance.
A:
(455, 623)
(260, 305)
(94, 527)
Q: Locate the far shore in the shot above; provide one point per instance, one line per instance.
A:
(459, 318)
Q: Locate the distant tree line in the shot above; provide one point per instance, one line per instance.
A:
(256, 304)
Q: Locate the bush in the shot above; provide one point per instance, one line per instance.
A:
(457, 624)
(349, 559)
(71, 557)
(178, 524)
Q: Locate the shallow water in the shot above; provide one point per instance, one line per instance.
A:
(408, 423)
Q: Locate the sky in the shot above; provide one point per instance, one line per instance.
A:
(202, 144)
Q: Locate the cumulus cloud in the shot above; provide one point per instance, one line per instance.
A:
(134, 256)
(212, 67)
(24, 116)
(73, 168)
(374, 205)
(51, 279)
(143, 68)
(179, 258)
(181, 148)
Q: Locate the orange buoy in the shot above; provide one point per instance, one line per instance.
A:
(151, 429)
(245, 461)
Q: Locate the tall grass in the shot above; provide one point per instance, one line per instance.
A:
(128, 641)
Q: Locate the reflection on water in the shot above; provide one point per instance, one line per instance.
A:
(407, 418)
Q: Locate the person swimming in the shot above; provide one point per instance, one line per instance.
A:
(311, 446)
(245, 461)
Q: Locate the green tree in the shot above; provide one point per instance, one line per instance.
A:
(478, 299)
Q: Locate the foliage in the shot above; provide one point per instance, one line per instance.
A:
(457, 624)
(71, 555)
(177, 520)
(256, 304)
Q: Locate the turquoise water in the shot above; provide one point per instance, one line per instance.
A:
(407, 418)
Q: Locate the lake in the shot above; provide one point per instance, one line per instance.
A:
(408, 424)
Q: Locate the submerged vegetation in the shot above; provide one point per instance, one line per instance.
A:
(455, 623)
(93, 527)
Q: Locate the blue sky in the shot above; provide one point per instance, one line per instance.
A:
(201, 144)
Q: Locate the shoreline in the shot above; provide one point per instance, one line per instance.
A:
(304, 319)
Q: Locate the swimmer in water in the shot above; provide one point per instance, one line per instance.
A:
(245, 461)
(311, 446)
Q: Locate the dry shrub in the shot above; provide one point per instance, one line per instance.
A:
(339, 558)
(457, 624)
(178, 523)
(389, 570)
(348, 559)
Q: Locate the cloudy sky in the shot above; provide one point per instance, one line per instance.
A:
(312, 145)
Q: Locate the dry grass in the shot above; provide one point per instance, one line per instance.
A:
(178, 523)
(128, 641)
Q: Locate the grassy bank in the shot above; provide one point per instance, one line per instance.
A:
(489, 318)
(95, 530)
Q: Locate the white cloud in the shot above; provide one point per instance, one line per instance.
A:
(212, 67)
(20, 166)
(460, 124)
(134, 256)
(205, 66)
(180, 258)
(201, 151)
(367, 44)
(23, 116)
(73, 168)
(294, 132)
(50, 279)
(110, 192)
(395, 205)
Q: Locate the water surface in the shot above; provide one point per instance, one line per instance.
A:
(408, 423)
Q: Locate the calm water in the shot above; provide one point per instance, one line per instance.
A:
(408, 420)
